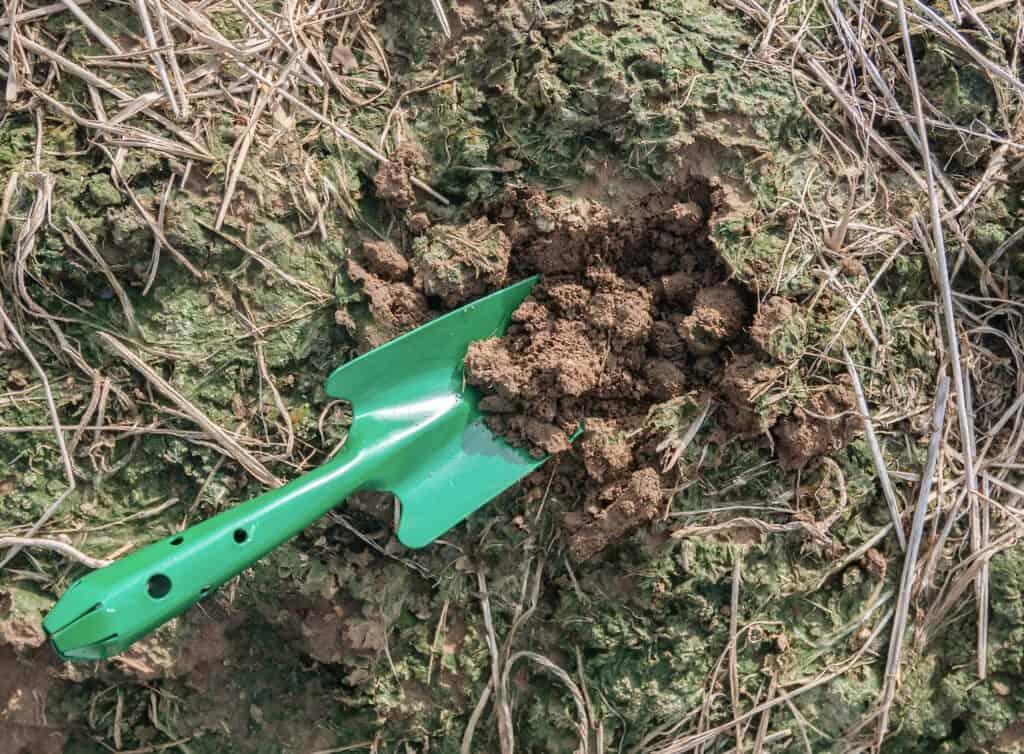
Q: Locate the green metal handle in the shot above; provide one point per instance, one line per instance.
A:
(105, 611)
(416, 431)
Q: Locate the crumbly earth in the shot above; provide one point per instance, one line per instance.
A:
(634, 309)
(392, 182)
(825, 424)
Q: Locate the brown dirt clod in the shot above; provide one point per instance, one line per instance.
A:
(718, 315)
(773, 318)
(392, 182)
(606, 451)
(458, 263)
(826, 423)
(632, 502)
(745, 379)
(383, 259)
(394, 307)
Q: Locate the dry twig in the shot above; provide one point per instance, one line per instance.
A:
(227, 444)
(899, 623)
(876, 452)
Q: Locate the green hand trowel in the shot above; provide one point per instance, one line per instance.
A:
(416, 431)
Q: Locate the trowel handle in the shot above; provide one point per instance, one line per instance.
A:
(102, 613)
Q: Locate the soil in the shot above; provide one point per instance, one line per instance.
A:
(23, 725)
(703, 223)
(825, 424)
(392, 181)
(635, 309)
(779, 329)
(450, 264)
(394, 306)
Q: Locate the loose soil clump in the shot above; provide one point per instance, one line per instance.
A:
(392, 182)
(458, 263)
(634, 309)
(826, 423)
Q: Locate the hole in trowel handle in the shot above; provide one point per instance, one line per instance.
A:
(241, 535)
(158, 586)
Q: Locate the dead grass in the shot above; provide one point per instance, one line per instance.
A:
(279, 61)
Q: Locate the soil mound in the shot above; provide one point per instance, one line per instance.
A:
(635, 309)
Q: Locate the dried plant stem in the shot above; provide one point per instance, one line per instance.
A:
(57, 546)
(876, 452)
(69, 67)
(261, 364)
(566, 679)
(69, 470)
(154, 263)
(952, 339)
(899, 623)
(697, 740)
(734, 609)
(442, 18)
(505, 734)
(762, 727)
(151, 221)
(854, 555)
(92, 79)
(268, 264)
(5, 206)
(36, 13)
(11, 90)
(172, 57)
(27, 235)
(156, 57)
(93, 28)
(344, 133)
(958, 584)
(887, 94)
(236, 160)
(115, 284)
(942, 28)
(282, 43)
(744, 522)
(466, 746)
(127, 136)
(876, 141)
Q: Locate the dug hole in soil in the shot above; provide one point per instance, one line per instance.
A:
(635, 315)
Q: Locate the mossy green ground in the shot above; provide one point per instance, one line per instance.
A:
(330, 642)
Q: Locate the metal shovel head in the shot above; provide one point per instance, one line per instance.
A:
(419, 425)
